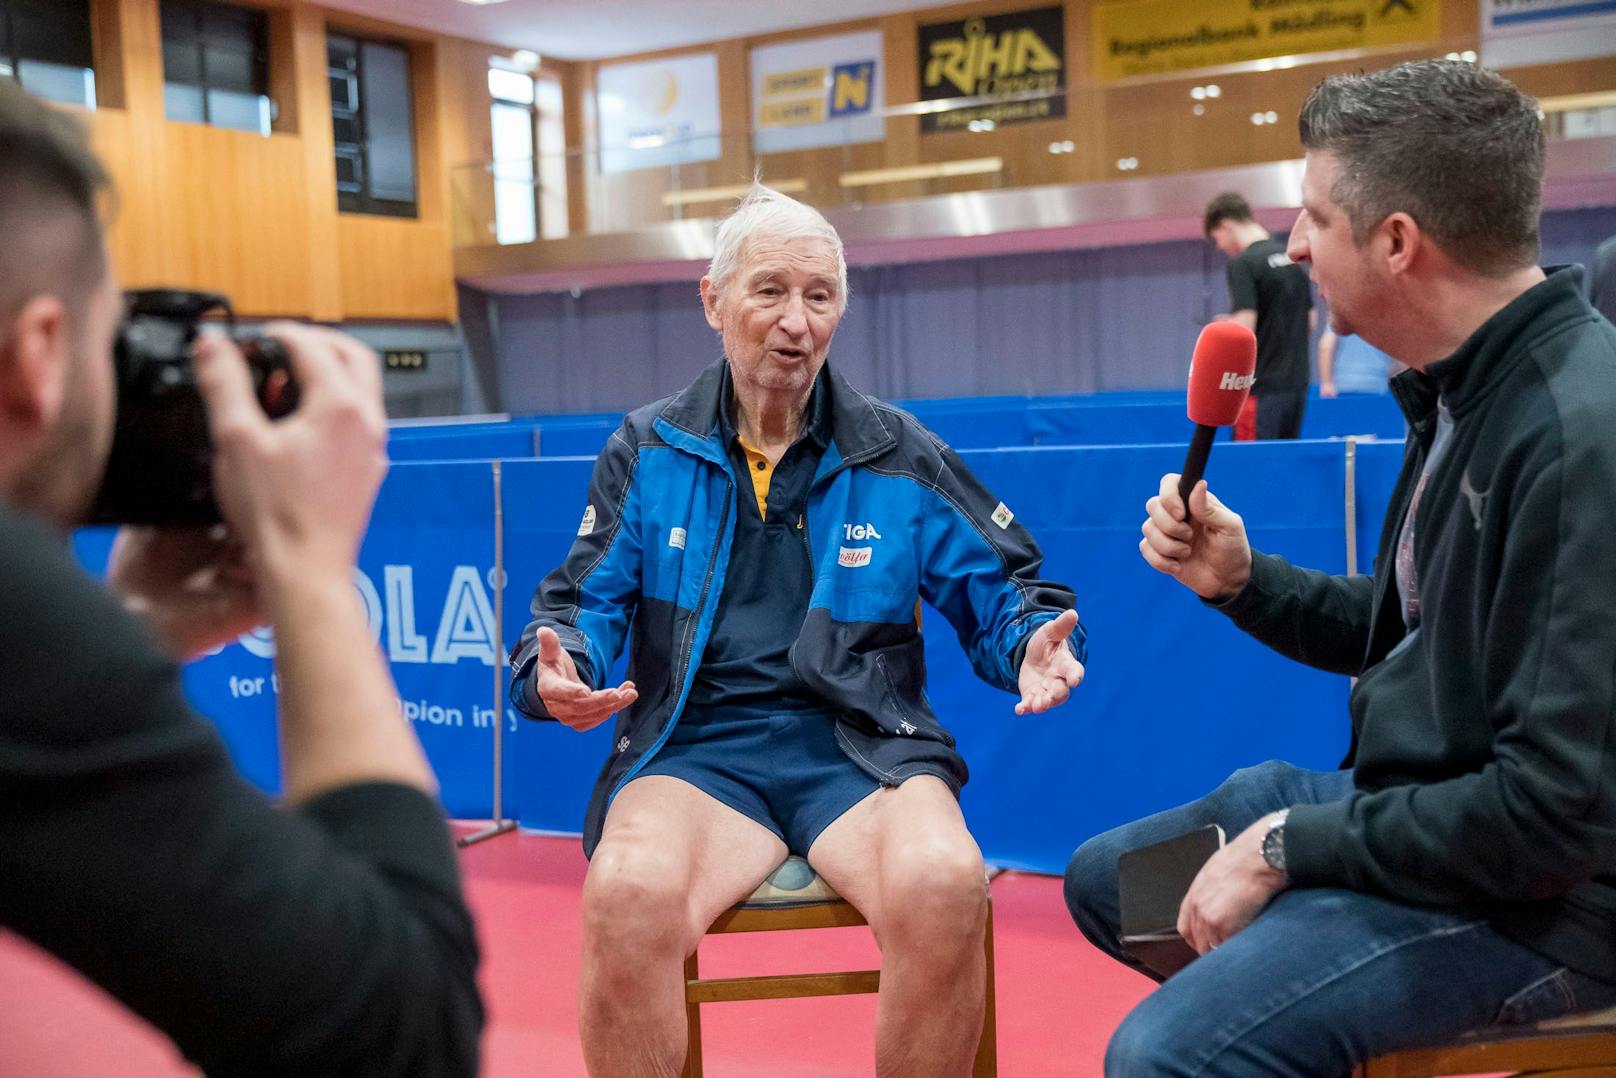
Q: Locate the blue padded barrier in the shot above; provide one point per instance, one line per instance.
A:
(424, 577)
(553, 766)
(564, 436)
(1146, 417)
(453, 443)
(1176, 697)
(1377, 467)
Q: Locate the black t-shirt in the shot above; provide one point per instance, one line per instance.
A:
(1265, 280)
(332, 939)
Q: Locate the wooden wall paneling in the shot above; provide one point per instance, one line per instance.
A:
(257, 218)
(394, 268)
(321, 269)
(106, 39)
(466, 140)
(899, 41)
(141, 232)
(245, 223)
(283, 76)
(1558, 80)
(574, 89)
(734, 164)
(1150, 119)
(108, 131)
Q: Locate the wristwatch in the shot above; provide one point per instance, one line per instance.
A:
(1273, 843)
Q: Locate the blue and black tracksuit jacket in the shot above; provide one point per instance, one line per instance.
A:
(893, 517)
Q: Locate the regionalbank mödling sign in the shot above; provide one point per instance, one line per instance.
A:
(1149, 37)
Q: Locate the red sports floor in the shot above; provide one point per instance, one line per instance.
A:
(1059, 999)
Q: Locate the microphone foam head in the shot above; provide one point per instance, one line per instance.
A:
(1221, 373)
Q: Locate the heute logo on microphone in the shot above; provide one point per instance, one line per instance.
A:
(1237, 382)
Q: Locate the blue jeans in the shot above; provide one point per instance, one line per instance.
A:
(1323, 979)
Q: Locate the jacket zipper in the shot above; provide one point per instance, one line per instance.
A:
(684, 666)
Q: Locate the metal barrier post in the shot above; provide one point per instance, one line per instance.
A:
(498, 825)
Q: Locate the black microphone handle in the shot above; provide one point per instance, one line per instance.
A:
(1195, 463)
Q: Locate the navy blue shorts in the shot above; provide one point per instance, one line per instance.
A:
(783, 769)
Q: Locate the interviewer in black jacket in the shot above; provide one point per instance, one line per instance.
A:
(1462, 872)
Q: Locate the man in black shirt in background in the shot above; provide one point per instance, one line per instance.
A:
(326, 938)
(1270, 295)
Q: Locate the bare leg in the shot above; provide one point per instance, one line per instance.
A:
(904, 858)
(670, 860)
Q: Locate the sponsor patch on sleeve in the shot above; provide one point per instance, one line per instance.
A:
(676, 538)
(587, 525)
(1002, 516)
(854, 557)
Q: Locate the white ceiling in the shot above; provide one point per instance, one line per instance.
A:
(591, 29)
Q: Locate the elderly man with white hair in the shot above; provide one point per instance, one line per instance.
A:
(766, 535)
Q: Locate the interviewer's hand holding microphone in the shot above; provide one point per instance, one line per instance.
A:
(1206, 551)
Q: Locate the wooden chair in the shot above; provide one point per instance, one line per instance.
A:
(1576, 1046)
(795, 897)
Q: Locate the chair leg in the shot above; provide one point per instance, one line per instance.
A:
(1385, 1067)
(987, 1049)
(692, 1021)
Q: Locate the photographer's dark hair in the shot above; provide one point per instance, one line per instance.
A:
(50, 187)
(1455, 146)
(1225, 207)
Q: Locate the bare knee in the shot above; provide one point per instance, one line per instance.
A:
(635, 902)
(934, 896)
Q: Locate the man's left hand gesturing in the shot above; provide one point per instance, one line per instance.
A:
(1049, 671)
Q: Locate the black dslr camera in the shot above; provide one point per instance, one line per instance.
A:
(160, 471)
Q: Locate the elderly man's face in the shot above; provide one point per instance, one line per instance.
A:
(777, 314)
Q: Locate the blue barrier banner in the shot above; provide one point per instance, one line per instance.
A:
(1176, 697)
(1351, 414)
(1378, 465)
(425, 577)
(553, 766)
(1121, 418)
(584, 438)
(450, 443)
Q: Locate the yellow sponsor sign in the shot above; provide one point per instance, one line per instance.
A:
(1150, 37)
(809, 80)
(804, 110)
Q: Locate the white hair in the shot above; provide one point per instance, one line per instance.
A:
(765, 212)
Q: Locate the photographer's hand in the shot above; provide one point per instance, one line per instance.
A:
(299, 491)
(191, 586)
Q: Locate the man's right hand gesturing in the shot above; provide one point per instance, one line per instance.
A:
(565, 695)
(1208, 555)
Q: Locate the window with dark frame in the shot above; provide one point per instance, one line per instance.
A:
(372, 126)
(46, 46)
(216, 65)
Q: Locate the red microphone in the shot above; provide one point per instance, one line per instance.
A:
(1220, 379)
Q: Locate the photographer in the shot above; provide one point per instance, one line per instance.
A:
(326, 938)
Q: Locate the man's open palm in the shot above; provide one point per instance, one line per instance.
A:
(565, 695)
(1049, 671)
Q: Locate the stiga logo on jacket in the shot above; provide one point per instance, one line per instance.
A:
(857, 533)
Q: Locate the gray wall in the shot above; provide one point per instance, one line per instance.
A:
(1058, 322)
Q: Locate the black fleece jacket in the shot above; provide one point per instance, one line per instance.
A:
(1482, 743)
